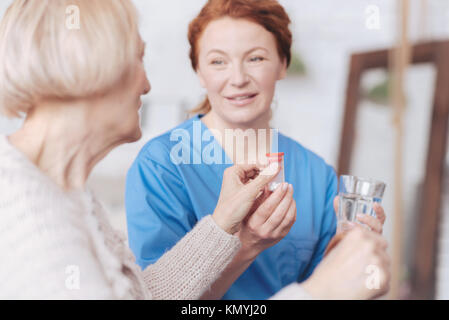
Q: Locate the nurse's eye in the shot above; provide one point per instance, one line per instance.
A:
(257, 59)
(217, 62)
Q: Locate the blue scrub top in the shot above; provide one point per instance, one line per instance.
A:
(175, 181)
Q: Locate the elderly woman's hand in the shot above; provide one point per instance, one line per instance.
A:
(357, 268)
(241, 190)
(269, 223)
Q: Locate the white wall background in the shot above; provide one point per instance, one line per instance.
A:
(310, 108)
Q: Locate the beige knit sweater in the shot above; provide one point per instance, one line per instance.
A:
(59, 245)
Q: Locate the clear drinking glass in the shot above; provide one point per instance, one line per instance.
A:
(357, 195)
(280, 177)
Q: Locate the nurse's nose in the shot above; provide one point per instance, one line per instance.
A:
(239, 77)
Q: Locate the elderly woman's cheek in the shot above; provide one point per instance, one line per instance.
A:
(132, 131)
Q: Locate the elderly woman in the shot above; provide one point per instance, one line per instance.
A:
(55, 239)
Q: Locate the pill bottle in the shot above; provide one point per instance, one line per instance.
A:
(280, 177)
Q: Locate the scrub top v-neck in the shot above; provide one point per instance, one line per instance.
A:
(176, 180)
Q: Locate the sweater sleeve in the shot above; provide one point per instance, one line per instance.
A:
(187, 270)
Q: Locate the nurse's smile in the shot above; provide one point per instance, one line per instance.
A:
(243, 99)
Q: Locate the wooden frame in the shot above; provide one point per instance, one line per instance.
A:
(437, 53)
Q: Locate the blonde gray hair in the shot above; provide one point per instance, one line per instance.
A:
(41, 57)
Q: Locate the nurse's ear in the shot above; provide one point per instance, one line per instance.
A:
(283, 69)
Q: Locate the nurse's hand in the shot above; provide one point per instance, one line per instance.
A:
(374, 223)
(269, 223)
(357, 268)
(242, 185)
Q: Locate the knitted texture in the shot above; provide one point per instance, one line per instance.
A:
(188, 270)
(60, 245)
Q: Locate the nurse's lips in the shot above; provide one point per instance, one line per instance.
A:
(242, 99)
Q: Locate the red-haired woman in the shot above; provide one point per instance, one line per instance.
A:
(239, 50)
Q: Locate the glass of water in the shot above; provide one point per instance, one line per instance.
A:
(357, 195)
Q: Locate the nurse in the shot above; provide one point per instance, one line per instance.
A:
(239, 50)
